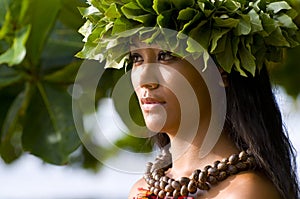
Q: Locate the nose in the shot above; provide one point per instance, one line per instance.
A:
(149, 76)
(150, 85)
(146, 76)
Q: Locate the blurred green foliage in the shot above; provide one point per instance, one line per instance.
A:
(38, 41)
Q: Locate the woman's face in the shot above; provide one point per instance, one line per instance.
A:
(169, 89)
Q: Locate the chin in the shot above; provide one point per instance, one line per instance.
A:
(155, 123)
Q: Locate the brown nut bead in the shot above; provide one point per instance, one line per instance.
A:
(241, 166)
(152, 189)
(216, 163)
(243, 156)
(184, 191)
(170, 181)
(156, 191)
(162, 184)
(212, 180)
(195, 175)
(222, 176)
(225, 160)
(232, 169)
(151, 182)
(203, 176)
(222, 166)
(213, 171)
(157, 177)
(169, 194)
(161, 194)
(176, 193)
(169, 188)
(192, 187)
(165, 178)
(203, 186)
(184, 181)
(233, 159)
(176, 185)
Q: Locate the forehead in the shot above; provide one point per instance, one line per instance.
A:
(144, 46)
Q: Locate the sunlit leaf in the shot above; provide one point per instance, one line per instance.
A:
(16, 53)
(278, 6)
(112, 11)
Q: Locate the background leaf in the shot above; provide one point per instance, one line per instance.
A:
(51, 135)
(17, 52)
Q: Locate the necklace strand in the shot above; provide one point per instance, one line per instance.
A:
(162, 186)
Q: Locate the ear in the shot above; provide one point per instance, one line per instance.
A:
(224, 76)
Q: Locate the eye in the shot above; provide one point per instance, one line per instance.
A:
(166, 56)
(136, 58)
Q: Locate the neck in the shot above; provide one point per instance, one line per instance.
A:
(187, 156)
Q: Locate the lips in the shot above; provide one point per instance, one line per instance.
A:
(150, 103)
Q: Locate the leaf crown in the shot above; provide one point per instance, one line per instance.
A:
(239, 35)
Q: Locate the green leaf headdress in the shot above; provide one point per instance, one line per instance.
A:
(239, 35)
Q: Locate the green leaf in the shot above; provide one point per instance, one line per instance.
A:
(191, 23)
(201, 33)
(276, 7)
(277, 39)
(9, 76)
(256, 25)
(269, 24)
(16, 53)
(121, 24)
(70, 15)
(244, 26)
(146, 20)
(187, 14)
(226, 58)
(132, 11)
(232, 6)
(238, 68)
(11, 146)
(225, 23)
(165, 19)
(60, 48)
(140, 145)
(112, 11)
(3, 10)
(247, 59)
(286, 21)
(179, 4)
(146, 5)
(161, 5)
(217, 45)
(5, 20)
(51, 135)
(42, 16)
(66, 75)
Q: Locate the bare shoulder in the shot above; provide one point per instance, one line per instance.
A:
(135, 188)
(247, 185)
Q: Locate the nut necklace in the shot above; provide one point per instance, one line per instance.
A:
(162, 186)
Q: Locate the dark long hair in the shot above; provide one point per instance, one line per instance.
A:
(254, 122)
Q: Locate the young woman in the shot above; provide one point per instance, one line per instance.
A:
(253, 123)
(250, 156)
